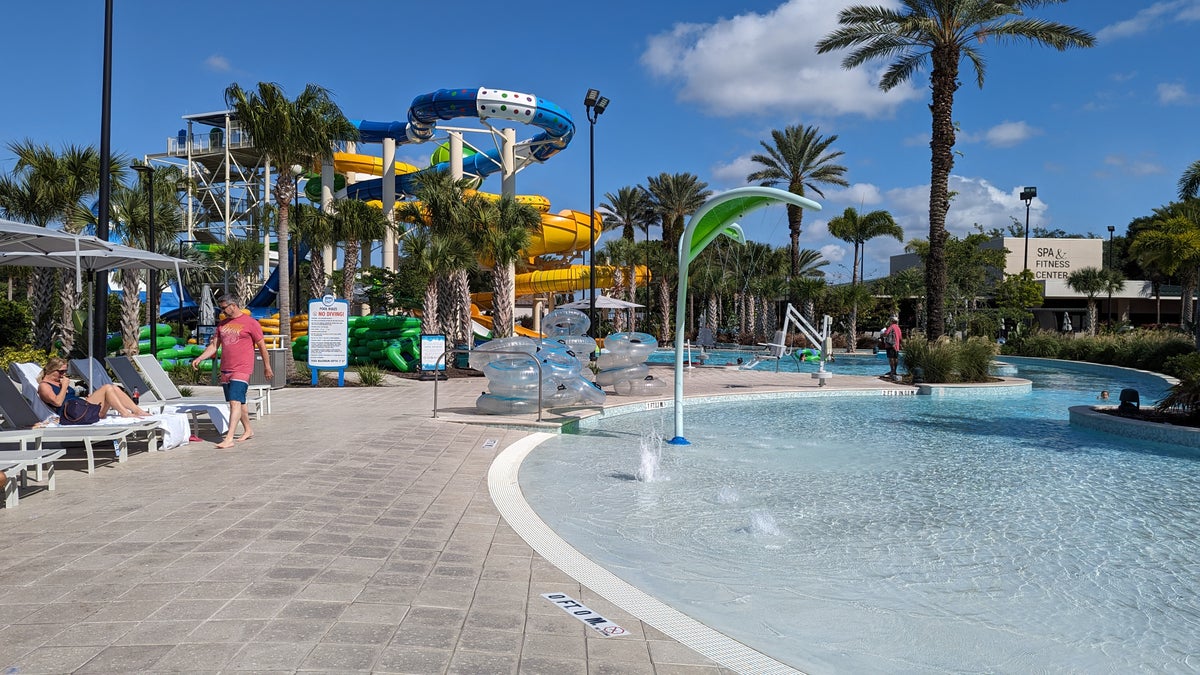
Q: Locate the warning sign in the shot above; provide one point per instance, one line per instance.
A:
(579, 611)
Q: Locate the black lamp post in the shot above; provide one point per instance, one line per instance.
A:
(1111, 229)
(100, 279)
(595, 104)
(152, 284)
(1027, 196)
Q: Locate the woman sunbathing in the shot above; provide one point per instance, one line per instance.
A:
(55, 389)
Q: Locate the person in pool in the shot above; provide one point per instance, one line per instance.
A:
(55, 389)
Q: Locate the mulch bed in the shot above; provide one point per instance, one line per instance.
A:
(1156, 416)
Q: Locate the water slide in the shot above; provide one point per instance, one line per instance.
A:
(265, 298)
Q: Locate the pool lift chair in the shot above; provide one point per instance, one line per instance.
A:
(777, 348)
(1130, 400)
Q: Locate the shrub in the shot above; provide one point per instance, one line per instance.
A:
(945, 360)
(1184, 396)
(22, 354)
(1182, 365)
(974, 358)
(369, 375)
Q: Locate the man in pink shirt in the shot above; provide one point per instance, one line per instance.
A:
(891, 340)
(237, 337)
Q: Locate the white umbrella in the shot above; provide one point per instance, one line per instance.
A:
(111, 257)
(21, 238)
(602, 302)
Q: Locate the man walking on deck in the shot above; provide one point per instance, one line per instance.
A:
(237, 337)
(891, 340)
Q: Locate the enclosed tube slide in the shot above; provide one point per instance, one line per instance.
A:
(447, 104)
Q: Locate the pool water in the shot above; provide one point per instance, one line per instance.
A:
(901, 534)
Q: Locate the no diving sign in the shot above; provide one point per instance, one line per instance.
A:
(589, 617)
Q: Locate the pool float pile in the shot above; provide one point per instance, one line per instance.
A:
(513, 379)
(270, 325)
(380, 340)
(623, 365)
(171, 349)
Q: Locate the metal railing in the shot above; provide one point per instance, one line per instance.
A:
(464, 350)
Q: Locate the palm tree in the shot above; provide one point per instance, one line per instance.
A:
(241, 257)
(1171, 244)
(940, 33)
(1093, 282)
(440, 209)
(289, 132)
(314, 228)
(673, 197)
(858, 230)
(628, 209)
(1189, 182)
(354, 222)
(65, 178)
(800, 158)
(507, 226)
(25, 200)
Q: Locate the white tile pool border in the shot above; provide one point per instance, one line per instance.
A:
(509, 500)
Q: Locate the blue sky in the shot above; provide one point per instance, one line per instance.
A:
(1104, 133)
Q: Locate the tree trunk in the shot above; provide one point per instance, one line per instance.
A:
(664, 303)
(285, 190)
(1092, 317)
(316, 275)
(68, 303)
(349, 271)
(429, 314)
(852, 329)
(462, 308)
(712, 315)
(242, 286)
(503, 285)
(130, 312)
(945, 83)
(43, 306)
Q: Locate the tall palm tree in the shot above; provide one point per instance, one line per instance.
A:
(1189, 182)
(289, 132)
(507, 226)
(628, 209)
(854, 229)
(354, 222)
(940, 33)
(440, 210)
(673, 197)
(66, 177)
(314, 228)
(799, 158)
(1093, 282)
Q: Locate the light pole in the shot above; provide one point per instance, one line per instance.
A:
(595, 104)
(1111, 229)
(297, 171)
(1027, 196)
(152, 284)
(100, 278)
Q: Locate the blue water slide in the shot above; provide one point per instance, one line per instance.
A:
(265, 299)
(445, 104)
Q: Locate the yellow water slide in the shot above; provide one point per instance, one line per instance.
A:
(573, 278)
(561, 233)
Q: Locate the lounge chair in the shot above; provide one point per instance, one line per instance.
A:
(165, 389)
(218, 413)
(19, 415)
(19, 461)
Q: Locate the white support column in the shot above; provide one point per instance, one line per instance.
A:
(456, 155)
(389, 203)
(266, 231)
(191, 221)
(228, 159)
(508, 161)
(327, 178)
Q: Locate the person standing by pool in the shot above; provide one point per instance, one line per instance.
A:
(891, 340)
(237, 337)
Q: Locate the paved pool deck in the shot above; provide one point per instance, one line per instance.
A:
(353, 533)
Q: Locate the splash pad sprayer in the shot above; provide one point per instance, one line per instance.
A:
(714, 218)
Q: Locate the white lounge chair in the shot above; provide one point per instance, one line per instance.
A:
(218, 413)
(19, 461)
(165, 389)
(19, 415)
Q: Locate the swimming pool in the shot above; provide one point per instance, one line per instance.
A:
(901, 533)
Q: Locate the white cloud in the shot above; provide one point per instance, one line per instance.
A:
(1172, 93)
(218, 63)
(734, 173)
(767, 62)
(858, 194)
(1008, 134)
(1150, 18)
(834, 253)
(1134, 167)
